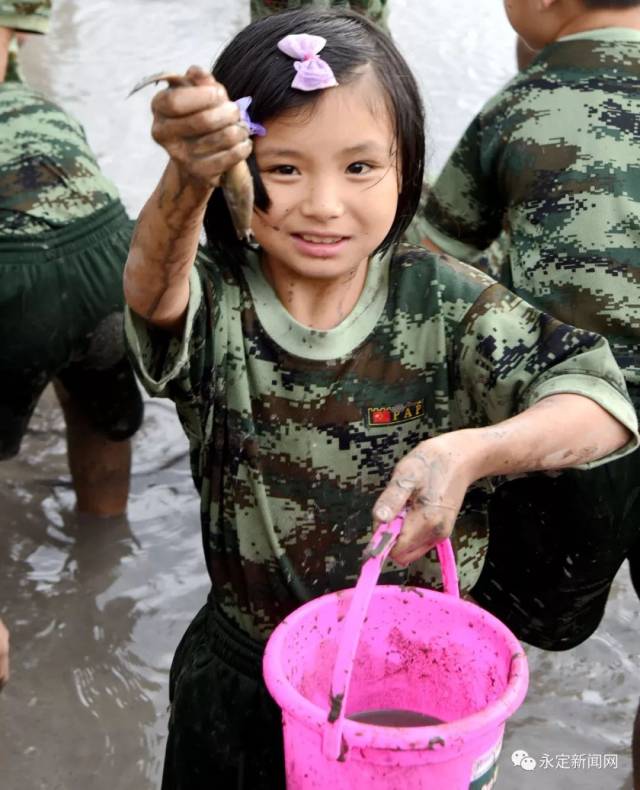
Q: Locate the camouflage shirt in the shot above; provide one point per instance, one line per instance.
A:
(554, 160)
(48, 174)
(294, 432)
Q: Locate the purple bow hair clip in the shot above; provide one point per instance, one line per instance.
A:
(243, 106)
(312, 73)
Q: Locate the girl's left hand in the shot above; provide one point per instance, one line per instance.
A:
(430, 482)
(557, 432)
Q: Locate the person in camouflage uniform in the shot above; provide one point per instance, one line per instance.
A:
(553, 160)
(64, 236)
(375, 10)
(301, 423)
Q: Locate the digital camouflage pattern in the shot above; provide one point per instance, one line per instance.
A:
(30, 17)
(375, 10)
(294, 432)
(48, 174)
(553, 160)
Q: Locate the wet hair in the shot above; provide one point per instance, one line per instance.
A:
(252, 65)
(610, 3)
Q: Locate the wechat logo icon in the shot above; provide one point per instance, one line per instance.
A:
(522, 759)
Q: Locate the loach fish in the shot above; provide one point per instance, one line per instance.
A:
(236, 183)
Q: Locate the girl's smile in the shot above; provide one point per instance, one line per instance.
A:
(318, 244)
(331, 173)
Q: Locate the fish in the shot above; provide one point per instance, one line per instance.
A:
(236, 183)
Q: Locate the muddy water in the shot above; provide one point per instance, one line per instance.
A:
(395, 717)
(96, 609)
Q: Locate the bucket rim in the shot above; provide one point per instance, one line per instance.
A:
(440, 736)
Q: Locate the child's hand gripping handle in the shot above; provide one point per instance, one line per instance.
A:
(374, 555)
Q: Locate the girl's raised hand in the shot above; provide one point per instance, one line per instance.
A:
(430, 482)
(200, 127)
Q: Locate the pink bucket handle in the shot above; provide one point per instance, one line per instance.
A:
(375, 555)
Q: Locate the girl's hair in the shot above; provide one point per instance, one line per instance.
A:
(252, 65)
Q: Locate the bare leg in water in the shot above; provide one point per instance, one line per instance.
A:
(5, 39)
(635, 751)
(4, 654)
(100, 468)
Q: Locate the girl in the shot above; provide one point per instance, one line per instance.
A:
(327, 372)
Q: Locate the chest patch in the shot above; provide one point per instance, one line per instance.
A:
(381, 416)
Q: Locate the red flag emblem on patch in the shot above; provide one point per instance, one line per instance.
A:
(392, 415)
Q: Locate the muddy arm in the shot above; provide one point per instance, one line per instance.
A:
(559, 431)
(163, 248)
(198, 126)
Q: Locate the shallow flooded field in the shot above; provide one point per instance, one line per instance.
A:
(96, 609)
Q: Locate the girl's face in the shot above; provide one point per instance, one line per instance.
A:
(331, 173)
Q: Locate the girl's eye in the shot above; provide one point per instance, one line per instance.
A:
(358, 168)
(283, 170)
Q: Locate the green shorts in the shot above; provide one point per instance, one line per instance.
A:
(225, 730)
(61, 316)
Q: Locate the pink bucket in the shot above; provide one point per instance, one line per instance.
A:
(419, 651)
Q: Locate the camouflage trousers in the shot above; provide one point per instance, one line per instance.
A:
(375, 10)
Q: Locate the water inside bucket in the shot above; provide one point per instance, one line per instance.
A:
(394, 717)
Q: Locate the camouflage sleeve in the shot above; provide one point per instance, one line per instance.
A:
(28, 17)
(508, 355)
(177, 367)
(160, 358)
(495, 260)
(463, 211)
